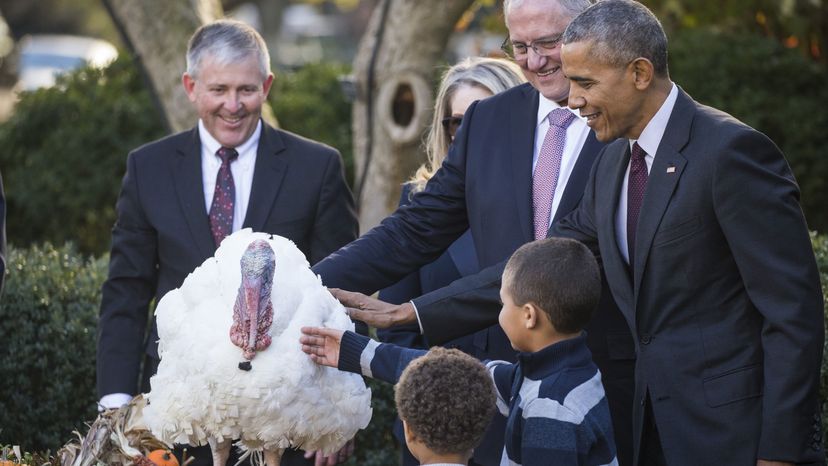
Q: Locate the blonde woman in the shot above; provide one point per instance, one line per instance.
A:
(472, 79)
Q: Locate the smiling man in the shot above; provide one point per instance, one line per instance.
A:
(183, 194)
(695, 217)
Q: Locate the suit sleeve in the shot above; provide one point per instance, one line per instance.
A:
(472, 303)
(756, 204)
(412, 236)
(127, 292)
(336, 222)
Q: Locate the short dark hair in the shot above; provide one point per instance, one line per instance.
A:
(447, 399)
(621, 31)
(558, 275)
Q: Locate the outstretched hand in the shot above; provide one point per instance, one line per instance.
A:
(374, 312)
(322, 344)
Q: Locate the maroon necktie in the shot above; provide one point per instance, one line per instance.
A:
(224, 196)
(636, 184)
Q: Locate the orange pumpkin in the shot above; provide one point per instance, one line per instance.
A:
(163, 458)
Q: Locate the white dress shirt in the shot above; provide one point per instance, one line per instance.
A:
(649, 141)
(241, 168)
(576, 135)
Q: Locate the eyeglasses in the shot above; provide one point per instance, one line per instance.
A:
(450, 124)
(519, 51)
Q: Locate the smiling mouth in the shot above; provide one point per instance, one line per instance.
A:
(548, 72)
(233, 119)
(590, 117)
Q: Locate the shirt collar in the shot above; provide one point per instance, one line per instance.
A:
(650, 137)
(571, 352)
(210, 145)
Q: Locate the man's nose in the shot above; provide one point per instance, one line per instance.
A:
(534, 61)
(232, 101)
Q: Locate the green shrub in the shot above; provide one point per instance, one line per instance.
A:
(776, 90)
(820, 243)
(65, 154)
(310, 102)
(48, 317)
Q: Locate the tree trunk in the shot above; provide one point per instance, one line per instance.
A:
(157, 32)
(394, 71)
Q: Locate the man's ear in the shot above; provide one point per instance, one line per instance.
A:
(268, 83)
(189, 86)
(643, 72)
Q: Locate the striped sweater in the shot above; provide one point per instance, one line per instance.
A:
(553, 399)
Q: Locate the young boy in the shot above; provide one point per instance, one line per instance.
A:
(446, 400)
(553, 398)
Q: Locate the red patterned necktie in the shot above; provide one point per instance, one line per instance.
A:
(545, 178)
(224, 196)
(636, 184)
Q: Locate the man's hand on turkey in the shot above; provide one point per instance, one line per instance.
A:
(374, 312)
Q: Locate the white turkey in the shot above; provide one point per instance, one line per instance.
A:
(231, 363)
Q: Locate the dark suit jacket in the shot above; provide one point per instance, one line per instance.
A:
(162, 232)
(725, 302)
(485, 185)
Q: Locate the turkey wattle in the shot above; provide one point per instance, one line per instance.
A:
(231, 363)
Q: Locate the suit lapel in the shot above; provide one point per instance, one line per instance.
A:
(189, 187)
(607, 203)
(521, 144)
(574, 190)
(665, 173)
(267, 178)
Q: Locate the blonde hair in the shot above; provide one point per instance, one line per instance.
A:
(492, 74)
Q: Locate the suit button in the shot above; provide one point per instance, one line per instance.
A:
(645, 339)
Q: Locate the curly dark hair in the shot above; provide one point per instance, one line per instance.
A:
(447, 398)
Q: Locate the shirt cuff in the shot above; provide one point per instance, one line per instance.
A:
(350, 352)
(417, 315)
(113, 401)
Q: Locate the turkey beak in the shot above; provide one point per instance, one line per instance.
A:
(252, 291)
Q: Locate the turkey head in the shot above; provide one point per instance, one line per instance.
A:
(253, 311)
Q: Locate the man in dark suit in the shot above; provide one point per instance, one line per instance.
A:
(182, 194)
(708, 255)
(488, 185)
(696, 220)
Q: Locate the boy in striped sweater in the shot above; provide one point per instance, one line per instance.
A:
(556, 410)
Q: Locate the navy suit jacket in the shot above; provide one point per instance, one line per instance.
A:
(484, 185)
(162, 232)
(725, 303)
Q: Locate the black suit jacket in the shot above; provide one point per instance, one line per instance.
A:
(162, 232)
(485, 185)
(725, 302)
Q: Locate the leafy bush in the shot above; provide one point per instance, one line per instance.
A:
(820, 243)
(310, 102)
(776, 90)
(65, 154)
(48, 317)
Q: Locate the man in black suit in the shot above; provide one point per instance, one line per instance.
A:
(487, 184)
(232, 164)
(696, 220)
